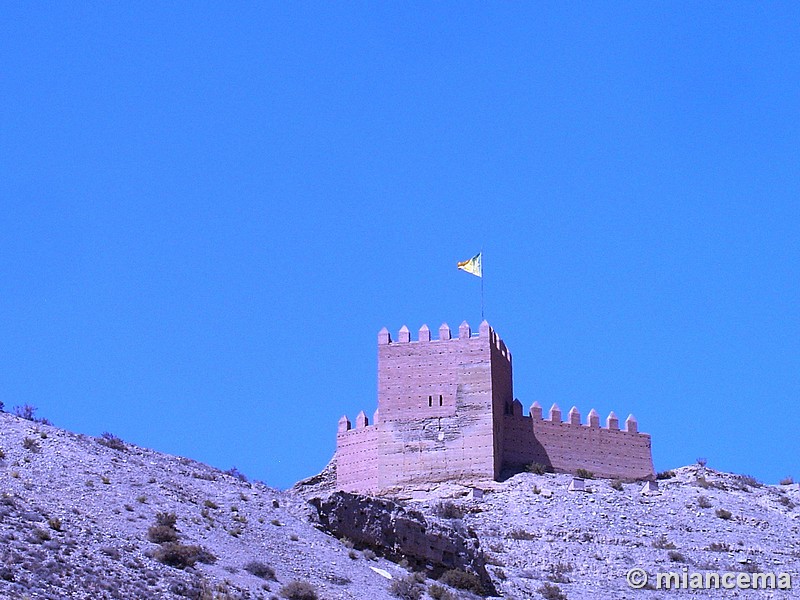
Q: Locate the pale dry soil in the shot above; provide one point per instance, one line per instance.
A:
(75, 514)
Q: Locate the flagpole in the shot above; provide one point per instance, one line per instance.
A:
(481, 285)
(481, 298)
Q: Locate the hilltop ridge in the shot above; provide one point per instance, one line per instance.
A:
(76, 519)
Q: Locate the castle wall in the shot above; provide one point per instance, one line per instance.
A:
(502, 394)
(436, 408)
(567, 447)
(446, 412)
(357, 459)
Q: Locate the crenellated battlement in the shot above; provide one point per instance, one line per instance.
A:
(446, 411)
(445, 335)
(567, 445)
(574, 417)
(362, 422)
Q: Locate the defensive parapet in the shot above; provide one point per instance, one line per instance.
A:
(566, 446)
(357, 455)
(446, 411)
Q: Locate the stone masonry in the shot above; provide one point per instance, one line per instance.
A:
(446, 412)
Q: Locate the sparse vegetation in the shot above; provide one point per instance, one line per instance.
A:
(439, 592)
(180, 556)
(702, 462)
(676, 556)
(159, 534)
(462, 580)
(406, 588)
(176, 489)
(557, 573)
(448, 510)
(787, 481)
(521, 534)
(584, 474)
(28, 412)
(719, 547)
(164, 531)
(338, 579)
(662, 543)
(111, 441)
(2, 454)
(30, 444)
(167, 519)
(748, 481)
(724, 514)
(260, 569)
(749, 567)
(552, 592)
(665, 475)
(235, 531)
(704, 483)
(298, 590)
(703, 502)
(234, 472)
(538, 468)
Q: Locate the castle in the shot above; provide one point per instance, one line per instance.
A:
(446, 411)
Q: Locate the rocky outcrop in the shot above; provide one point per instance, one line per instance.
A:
(320, 484)
(398, 533)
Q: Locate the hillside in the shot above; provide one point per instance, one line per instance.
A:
(85, 519)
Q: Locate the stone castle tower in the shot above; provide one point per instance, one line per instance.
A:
(446, 411)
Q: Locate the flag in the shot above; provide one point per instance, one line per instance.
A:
(473, 265)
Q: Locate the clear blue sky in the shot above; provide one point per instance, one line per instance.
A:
(210, 209)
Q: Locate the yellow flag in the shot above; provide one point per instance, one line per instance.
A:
(473, 265)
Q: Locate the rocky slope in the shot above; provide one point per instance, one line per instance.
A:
(85, 519)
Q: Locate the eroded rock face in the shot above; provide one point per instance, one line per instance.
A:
(398, 533)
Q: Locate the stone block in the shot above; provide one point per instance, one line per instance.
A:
(577, 485)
